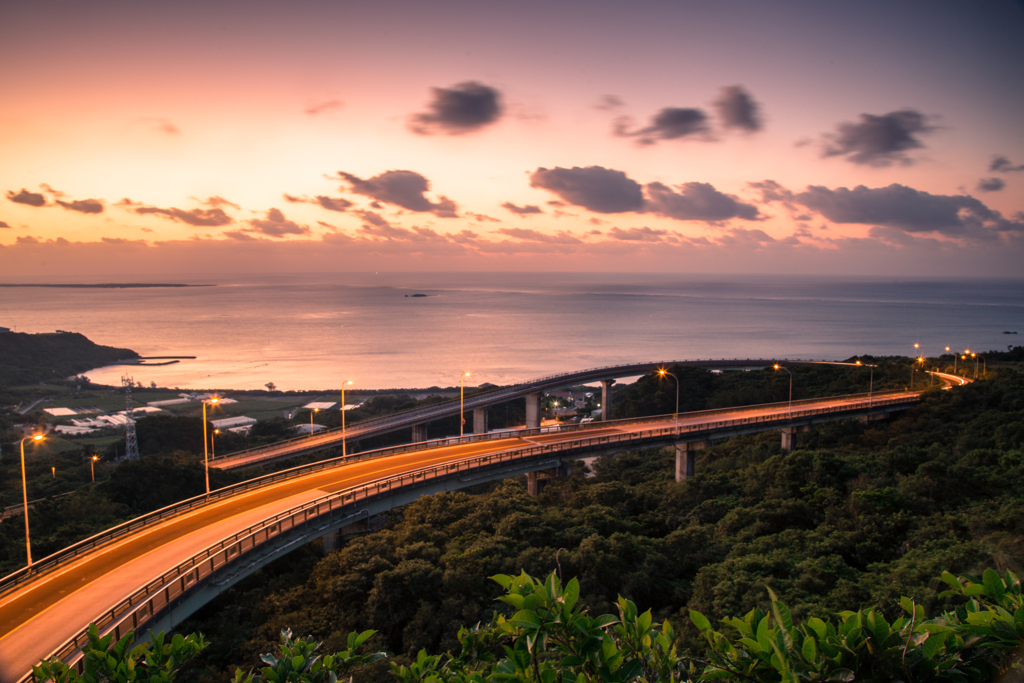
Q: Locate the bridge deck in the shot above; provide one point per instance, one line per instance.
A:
(40, 615)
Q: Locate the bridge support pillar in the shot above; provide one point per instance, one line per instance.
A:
(419, 433)
(480, 420)
(789, 436)
(330, 541)
(532, 411)
(606, 399)
(686, 458)
(535, 481)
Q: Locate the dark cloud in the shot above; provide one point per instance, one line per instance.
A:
(27, 239)
(126, 202)
(878, 140)
(484, 218)
(697, 202)
(668, 124)
(276, 225)
(521, 210)
(599, 189)
(321, 107)
(239, 235)
(644, 234)
(83, 205)
(333, 203)
(405, 189)
(26, 197)
(463, 108)
(1001, 164)
(907, 209)
(605, 190)
(203, 218)
(527, 235)
(3, 224)
(991, 184)
(737, 109)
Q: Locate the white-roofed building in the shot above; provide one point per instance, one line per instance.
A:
(320, 405)
(233, 423)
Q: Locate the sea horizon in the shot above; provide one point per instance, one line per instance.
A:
(314, 331)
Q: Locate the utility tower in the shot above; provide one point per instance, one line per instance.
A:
(132, 444)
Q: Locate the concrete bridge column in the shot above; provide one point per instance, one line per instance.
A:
(532, 411)
(532, 484)
(419, 433)
(686, 458)
(480, 420)
(789, 436)
(606, 399)
(330, 541)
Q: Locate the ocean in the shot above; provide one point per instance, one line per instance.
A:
(315, 331)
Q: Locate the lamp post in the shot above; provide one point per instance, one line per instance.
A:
(347, 382)
(315, 410)
(92, 466)
(206, 449)
(663, 373)
(779, 367)
(24, 494)
(213, 444)
(462, 403)
(975, 357)
(871, 383)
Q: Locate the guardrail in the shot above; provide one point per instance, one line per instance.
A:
(330, 436)
(61, 557)
(147, 601)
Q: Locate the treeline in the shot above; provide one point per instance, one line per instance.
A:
(31, 358)
(856, 517)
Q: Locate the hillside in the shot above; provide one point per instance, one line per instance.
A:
(28, 358)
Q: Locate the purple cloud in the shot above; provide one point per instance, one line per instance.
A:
(878, 140)
(521, 210)
(406, 189)
(26, 197)
(463, 108)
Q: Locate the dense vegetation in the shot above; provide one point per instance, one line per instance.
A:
(544, 636)
(38, 357)
(857, 517)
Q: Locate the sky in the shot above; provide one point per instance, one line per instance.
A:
(194, 138)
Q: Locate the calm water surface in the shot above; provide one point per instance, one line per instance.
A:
(315, 331)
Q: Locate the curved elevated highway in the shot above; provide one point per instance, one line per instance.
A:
(530, 390)
(156, 570)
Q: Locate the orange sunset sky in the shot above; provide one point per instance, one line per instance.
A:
(188, 138)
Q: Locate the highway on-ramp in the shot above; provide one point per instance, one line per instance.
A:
(40, 615)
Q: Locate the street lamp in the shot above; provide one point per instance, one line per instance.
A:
(213, 444)
(462, 403)
(663, 373)
(206, 449)
(871, 384)
(315, 410)
(975, 357)
(779, 367)
(347, 382)
(92, 466)
(24, 494)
